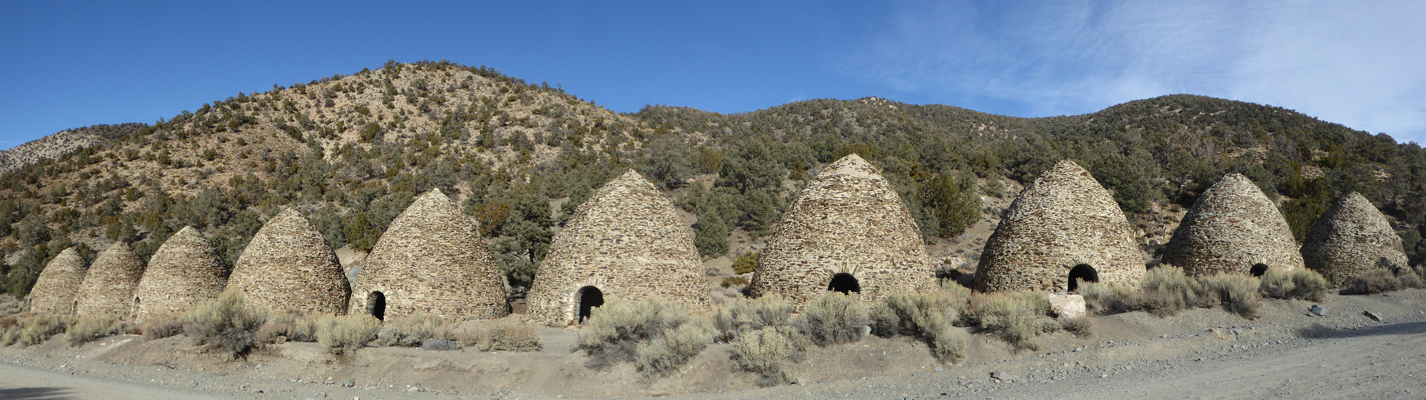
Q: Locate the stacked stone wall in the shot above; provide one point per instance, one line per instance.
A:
(108, 287)
(1062, 220)
(432, 260)
(58, 284)
(288, 267)
(847, 220)
(625, 240)
(1231, 228)
(185, 272)
(1352, 237)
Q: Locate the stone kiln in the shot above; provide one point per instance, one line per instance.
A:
(1233, 228)
(288, 267)
(431, 259)
(109, 286)
(1063, 227)
(626, 243)
(55, 290)
(847, 231)
(1350, 238)
(185, 272)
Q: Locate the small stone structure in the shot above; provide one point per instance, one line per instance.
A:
(625, 242)
(288, 267)
(109, 286)
(1063, 227)
(185, 272)
(55, 290)
(431, 259)
(847, 231)
(1233, 228)
(1350, 238)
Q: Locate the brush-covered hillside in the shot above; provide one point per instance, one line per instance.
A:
(352, 152)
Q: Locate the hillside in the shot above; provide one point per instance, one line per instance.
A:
(352, 151)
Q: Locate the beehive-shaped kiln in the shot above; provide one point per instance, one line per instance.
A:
(847, 231)
(625, 242)
(1233, 228)
(185, 272)
(1350, 238)
(55, 290)
(288, 267)
(109, 285)
(431, 259)
(1063, 227)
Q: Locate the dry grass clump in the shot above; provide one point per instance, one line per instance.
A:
(162, 327)
(1300, 283)
(502, 336)
(225, 324)
(412, 330)
(1015, 317)
(763, 352)
(89, 329)
(833, 318)
(1382, 280)
(1081, 327)
(733, 281)
(33, 329)
(1167, 291)
(747, 315)
(925, 316)
(621, 332)
(347, 333)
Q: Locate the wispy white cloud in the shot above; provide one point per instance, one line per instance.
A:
(1357, 64)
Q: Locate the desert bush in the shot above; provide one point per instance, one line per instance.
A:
(1376, 281)
(833, 318)
(88, 329)
(304, 329)
(1237, 293)
(225, 324)
(30, 330)
(745, 263)
(277, 328)
(162, 327)
(664, 356)
(733, 281)
(763, 351)
(1301, 283)
(412, 330)
(618, 330)
(1104, 297)
(1413, 278)
(1016, 318)
(346, 333)
(1081, 327)
(8, 321)
(746, 315)
(503, 336)
(925, 316)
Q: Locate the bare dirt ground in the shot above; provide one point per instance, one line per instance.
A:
(1288, 353)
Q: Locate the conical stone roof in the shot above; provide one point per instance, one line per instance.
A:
(1350, 238)
(431, 259)
(1062, 220)
(1230, 229)
(55, 290)
(288, 267)
(109, 286)
(848, 220)
(185, 272)
(627, 242)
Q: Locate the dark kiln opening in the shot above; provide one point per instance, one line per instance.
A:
(1082, 272)
(1259, 269)
(376, 305)
(845, 283)
(589, 298)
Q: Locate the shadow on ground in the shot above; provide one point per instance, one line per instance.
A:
(1324, 332)
(42, 393)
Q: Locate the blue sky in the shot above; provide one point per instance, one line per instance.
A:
(1362, 64)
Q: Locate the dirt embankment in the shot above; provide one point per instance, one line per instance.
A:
(1288, 353)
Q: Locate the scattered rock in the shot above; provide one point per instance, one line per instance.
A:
(1372, 315)
(1318, 310)
(350, 383)
(939, 369)
(1001, 376)
(438, 344)
(1066, 305)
